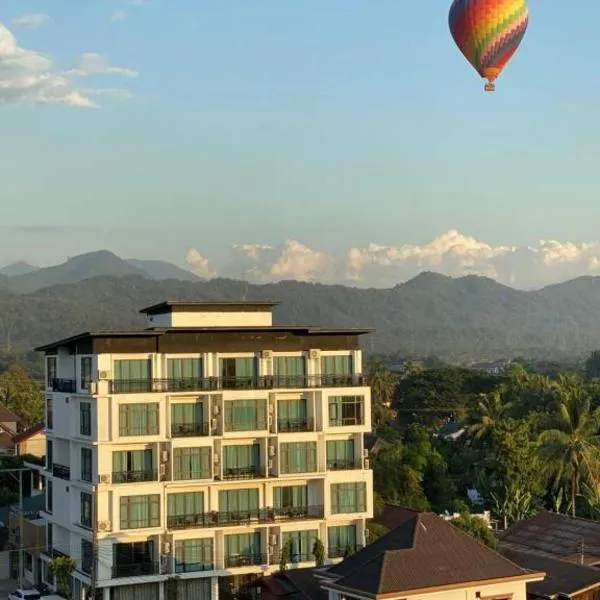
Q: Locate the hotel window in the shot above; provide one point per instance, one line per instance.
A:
(85, 418)
(346, 411)
(138, 419)
(86, 510)
(86, 464)
(348, 497)
(51, 370)
(298, 457)
(192, 463)
(132, 376)
(138, 512)
(86, 372)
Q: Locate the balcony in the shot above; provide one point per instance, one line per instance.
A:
(344, 464)
(295, 425)
(236, 518)
(254, 424)
(245, 560)
(241, 473)
(135, 569)
(134, 476)
(189, 429)
(66, 386)
(193, 567)
(144, 386)
(339, 552)
(61, 471)
(295, 558)
(346, 421)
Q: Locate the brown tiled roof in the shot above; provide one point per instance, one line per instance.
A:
(425, 552)
(393, 516)
(561, 577)
(24, 435)
(555, 535)
(6, 416)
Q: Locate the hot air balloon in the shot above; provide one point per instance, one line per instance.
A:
(488, 33)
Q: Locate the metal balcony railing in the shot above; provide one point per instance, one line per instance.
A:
(61, 471)
(344, 464)
(295, 425)
(66, 386)
(244, 517)
(341, 552)
(134, 476)
(241, 472)
(245, 560)
(141, 386)
(135, 569)
(189, 429)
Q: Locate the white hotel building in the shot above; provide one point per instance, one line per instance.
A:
(185, 456)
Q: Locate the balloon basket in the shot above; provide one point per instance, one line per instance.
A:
(490, 87)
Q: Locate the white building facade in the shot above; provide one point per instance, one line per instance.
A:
(185, 456)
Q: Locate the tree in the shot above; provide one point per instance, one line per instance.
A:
(491, 411)
(61, 568)
(476, 527)
(571, 449)
(592, 365)
(286, 555)
(319, 553)
(22, 396)
(383, 385)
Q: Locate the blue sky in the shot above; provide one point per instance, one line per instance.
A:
(336, 123)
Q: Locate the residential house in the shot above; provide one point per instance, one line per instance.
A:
(563, 579)
(191, 452)
(555, 535)
(31, 442)
(9, 426)
(425, 558)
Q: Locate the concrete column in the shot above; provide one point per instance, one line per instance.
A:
(214, 588)
(161, 590)
(106, 593)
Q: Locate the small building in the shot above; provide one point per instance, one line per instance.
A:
(425, 558)
(31, 442)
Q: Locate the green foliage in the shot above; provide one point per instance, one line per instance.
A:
(476, 527)
(592, 365)
(375, 531)
(21, 395)
(285, 556)
(319, 553)
(61, 568)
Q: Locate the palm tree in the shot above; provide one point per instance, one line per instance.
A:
(492, 410)
(570, 451)
(383, 386)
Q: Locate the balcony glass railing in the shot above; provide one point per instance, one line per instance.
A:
(134, 476)
(141, 386)
(243, 517)
(241, 472)
(189, 429)
(344, 464)
(61, 471)
(258, 424)
(193, 567)
(66, 386)
(245, 560)
(135, 569)
(295, 425)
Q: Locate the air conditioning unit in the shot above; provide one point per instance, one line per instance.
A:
(272, 450)
(216, 409)
(93, 388)
(216, 458)
(105, 479)
(213, 423)
(103, 375)
(267, 353)
(367, 463)
(167, 548)
(164, 456)
(365, 453)
(164, 564)
(272, 540)
(104, 526)
(270, 464)
(314, 354)
(271, 409)
(162, 470)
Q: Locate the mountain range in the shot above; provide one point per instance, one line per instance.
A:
(466, 318)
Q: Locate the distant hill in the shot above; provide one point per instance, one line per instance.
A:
(24, 278)
(160, 269)
(18, 268)
(465, 318)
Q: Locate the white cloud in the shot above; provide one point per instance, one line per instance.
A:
(27, 76)
(118, 15)
(31, 21)
(199, 265)
(452, 253)
(91, 63)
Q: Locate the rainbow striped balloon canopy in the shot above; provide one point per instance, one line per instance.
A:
(488, 33)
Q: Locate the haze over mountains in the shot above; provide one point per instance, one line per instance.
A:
(467, 318)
